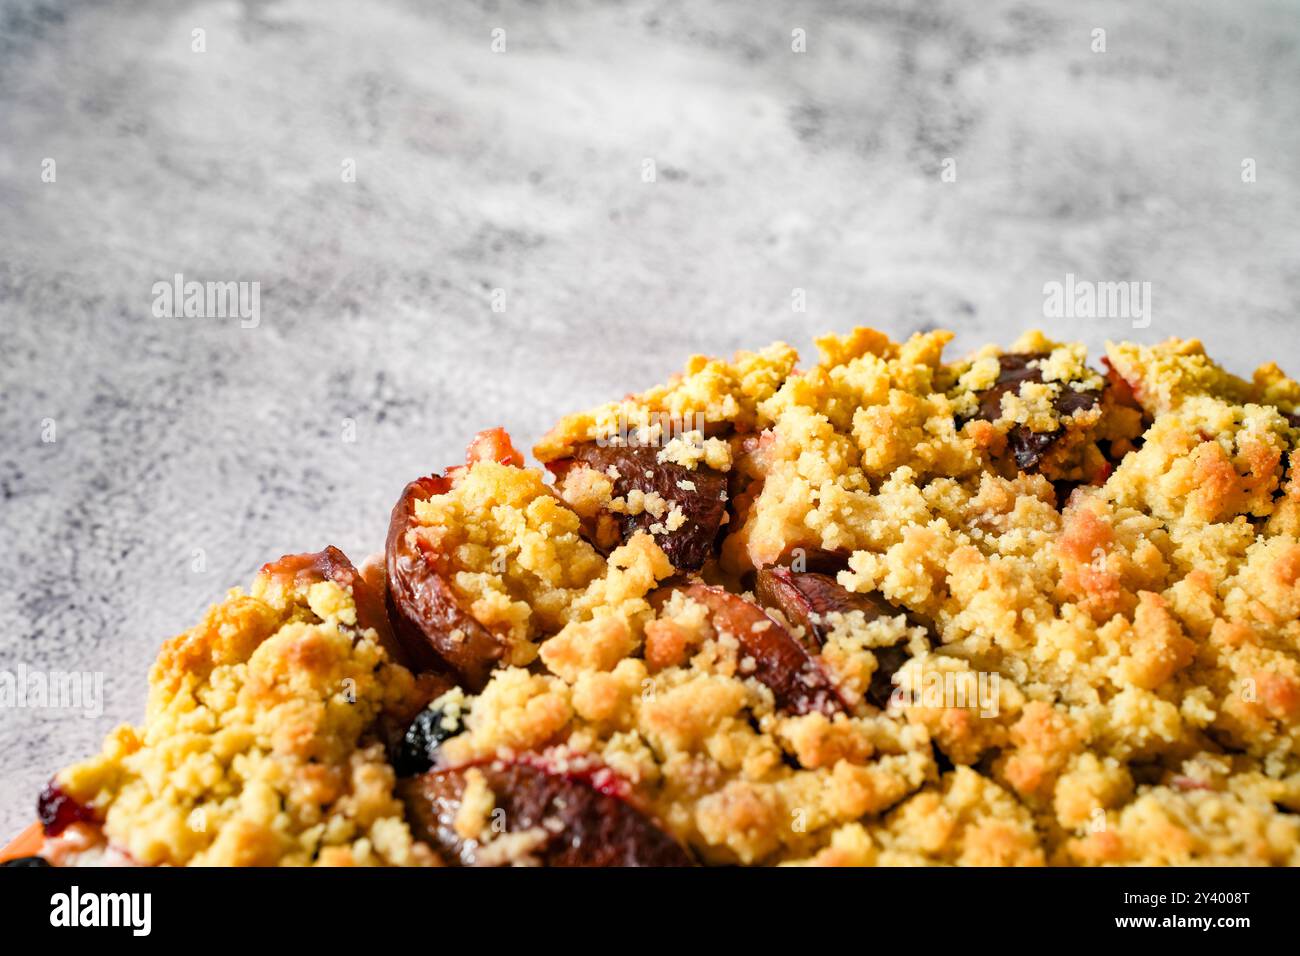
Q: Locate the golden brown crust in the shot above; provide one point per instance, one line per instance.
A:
(255, 746)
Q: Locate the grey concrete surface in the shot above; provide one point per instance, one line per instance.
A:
(522, 171)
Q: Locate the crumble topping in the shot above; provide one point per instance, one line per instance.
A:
(255, 746)
(1107, 567)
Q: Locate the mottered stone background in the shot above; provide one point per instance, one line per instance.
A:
(522, 171)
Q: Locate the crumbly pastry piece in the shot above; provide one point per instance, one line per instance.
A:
(885, 610)
(257, 746)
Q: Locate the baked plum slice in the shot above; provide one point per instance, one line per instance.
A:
(576, 819)
(700, 493)
(806, 598)
(1026, 445)
(786, 667)
(428, 620)
(303, 570)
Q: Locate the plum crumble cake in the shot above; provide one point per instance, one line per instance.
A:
(881, 610)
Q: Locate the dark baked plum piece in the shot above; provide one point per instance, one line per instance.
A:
(1015, 370)
(416, 751)
(580, 819)
(789, 669)
(435, 631)
(303, 570)
(57, 811)
(428, 620)
(821, 560)
(1026, 445)
(806, 598)
(703, 501)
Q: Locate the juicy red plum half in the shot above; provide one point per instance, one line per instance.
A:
(806, 598)
(798, 683)
(428, 620)
(435, 631)
(1028, 446)
(639, 469)
(583, 825)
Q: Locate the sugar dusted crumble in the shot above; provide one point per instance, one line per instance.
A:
(257, 746)
(1107, 560)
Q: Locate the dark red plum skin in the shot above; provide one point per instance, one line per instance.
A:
(586, 826)
(805, 598)
(639, 469)
(57, 811)
(1028, 446)
(798, 683)
(434, 630)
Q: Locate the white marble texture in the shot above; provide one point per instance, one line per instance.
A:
(522, 171)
